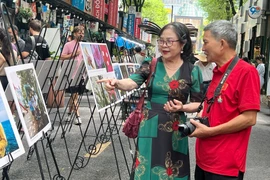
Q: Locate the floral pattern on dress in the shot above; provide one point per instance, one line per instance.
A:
(145, 116)
(172, 126)
(140, 168)
(165, 86)
(173, 84)
(175, 88)
(171, 169)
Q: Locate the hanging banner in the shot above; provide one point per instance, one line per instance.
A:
(113, 12)
(137, 30)
(125, 23)
(130, 24)
(145, 36)
(98, 9)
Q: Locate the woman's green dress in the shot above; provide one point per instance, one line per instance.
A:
(162, 154)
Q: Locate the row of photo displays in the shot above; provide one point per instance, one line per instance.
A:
(24, 87)
(98, 64)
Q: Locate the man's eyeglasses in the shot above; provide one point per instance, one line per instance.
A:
(168, 43)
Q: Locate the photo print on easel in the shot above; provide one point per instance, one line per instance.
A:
(29, 101)
(97, 56)
(124, 71)
(131, 68)
(136, 66)
(10, 140)
(98, 63)
(104, 99)
(118, 75)
(88, 56)
(93, 58)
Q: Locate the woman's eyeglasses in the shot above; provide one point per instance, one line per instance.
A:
(168, 43)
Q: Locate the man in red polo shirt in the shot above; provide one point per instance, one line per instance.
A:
(221, 149)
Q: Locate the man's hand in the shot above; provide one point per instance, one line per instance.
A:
(201, 131)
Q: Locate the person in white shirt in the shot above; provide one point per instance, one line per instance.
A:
(139, 55)
(206, 68)
(268, 89)
(260, 68)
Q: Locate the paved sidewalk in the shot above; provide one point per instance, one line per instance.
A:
(101, 166)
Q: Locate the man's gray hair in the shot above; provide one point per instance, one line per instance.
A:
(223, 29)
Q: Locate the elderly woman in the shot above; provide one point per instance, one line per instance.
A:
(162, 153)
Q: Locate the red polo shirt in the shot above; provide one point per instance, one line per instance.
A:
(226, 154)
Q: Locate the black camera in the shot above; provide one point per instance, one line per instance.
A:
(188, 128)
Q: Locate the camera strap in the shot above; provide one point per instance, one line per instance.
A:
(222, 81)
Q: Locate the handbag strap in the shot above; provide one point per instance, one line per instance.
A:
(152, 71)
(219, 87)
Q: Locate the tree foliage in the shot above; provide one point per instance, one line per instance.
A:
(156, 12)
(219, 9)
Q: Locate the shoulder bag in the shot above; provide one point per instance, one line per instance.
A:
(132, 123)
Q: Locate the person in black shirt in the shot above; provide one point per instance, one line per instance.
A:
(41, 46)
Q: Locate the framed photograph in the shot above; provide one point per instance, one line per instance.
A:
(124, 71)
(29, 101)
(117, 71)
(93, 59)
(118, 75)
(136, 66)
(10, 140)
(104, 99)
(88, 56)
(97, 56)
(131, 69)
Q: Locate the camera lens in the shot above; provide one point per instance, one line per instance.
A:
(186, 129)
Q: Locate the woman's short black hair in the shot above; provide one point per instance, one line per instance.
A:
(182, 32)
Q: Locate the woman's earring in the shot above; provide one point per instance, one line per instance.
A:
(182, 50)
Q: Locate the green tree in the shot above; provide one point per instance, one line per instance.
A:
(156, 12)
(219, 9)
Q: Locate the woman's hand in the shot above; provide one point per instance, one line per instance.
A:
(110, 84)
(173, 106)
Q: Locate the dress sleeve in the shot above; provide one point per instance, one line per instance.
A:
(140, 76)
(196, 93)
